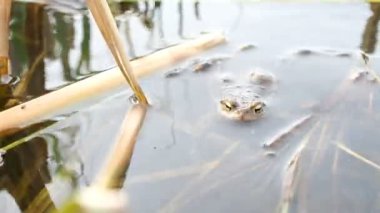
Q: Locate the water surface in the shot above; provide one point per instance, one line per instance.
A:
(188, 157)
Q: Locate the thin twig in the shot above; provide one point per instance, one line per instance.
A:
(357, 155)
(272, 142)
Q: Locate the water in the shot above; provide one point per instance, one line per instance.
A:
(188, 157)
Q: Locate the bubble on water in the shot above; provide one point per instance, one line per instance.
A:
(133, 99)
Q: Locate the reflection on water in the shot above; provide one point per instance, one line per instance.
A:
(25, 172)
(370, 32)
(189, 158)
(56, 44)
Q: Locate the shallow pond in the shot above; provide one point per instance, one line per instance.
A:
(188, 157)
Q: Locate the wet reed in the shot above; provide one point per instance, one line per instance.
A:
(106, 23)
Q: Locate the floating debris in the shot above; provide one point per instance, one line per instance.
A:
(343, 54)
(226, 78)
(262, 78)
(336, 52)
(246, 47)
(174, 72)
(271, 154)
(320, 51)
(200, 65)
(304, 52)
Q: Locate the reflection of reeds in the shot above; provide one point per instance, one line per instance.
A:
(197, 10)
(114, 171)
(369, 37)
(103, 194)
(85, 46)
(180, 18)
(25, 81)
(5, 9)
(128, 37)
(25, 172)
(103, 17)
(41, 203)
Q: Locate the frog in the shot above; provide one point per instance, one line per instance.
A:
(245, 102)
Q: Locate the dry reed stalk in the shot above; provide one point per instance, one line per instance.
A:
(5, 10)
(291, 175)
(272, 142)
(114, 171)
(289, 181)
(356, 155)
(50, 104)
(107, 25)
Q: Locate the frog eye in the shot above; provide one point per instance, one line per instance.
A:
(227, 105)
(258, 108)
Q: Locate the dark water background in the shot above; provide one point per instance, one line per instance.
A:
(189, 158)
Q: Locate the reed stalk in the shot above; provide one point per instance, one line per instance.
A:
(107, 25)
(53, 103)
